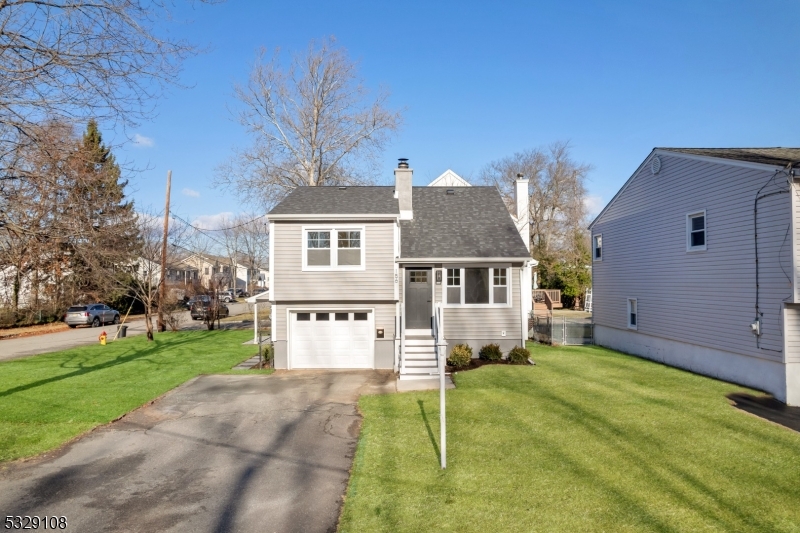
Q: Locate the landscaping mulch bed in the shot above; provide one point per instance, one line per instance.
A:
(477, 363)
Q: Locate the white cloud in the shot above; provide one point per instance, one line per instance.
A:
(593, 204)
(220, 220)
(190, 192)
(143, 142)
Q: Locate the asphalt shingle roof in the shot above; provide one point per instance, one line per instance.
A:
(471, 223)
(337, 201)
(768, 156)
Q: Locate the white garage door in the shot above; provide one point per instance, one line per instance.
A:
(331, 339)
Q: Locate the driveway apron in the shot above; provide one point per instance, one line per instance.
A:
(220, 453)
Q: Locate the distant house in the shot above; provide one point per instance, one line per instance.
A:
(449, 179)
(696, 263)
(226, 272)
(367, 277)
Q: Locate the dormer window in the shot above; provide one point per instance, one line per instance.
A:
(333, 248)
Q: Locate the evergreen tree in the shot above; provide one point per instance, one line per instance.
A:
(106, 237)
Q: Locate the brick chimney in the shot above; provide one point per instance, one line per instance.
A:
(402, 187)
(522, 216)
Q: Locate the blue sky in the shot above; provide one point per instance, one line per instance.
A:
(482, 80)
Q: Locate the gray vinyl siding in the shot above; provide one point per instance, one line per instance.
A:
(483, 323)
(384, 315)
(290, 283)
(705, 298)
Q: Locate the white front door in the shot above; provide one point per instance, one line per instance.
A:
(331, 339)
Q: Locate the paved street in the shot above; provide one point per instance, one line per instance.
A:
(220, 453)
(23, 346)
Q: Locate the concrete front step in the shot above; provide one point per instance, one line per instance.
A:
(425, 376)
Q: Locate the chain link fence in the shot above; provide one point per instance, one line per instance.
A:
(561, 330)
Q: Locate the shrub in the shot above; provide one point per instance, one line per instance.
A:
(491, 352)
(460, 356)
(518, 356)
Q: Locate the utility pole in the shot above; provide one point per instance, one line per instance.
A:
(162, 288)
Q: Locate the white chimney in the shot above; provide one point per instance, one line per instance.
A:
(523, 201)
(402, 187)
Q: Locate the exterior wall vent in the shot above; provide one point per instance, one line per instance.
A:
(655, 165)
(451, 191)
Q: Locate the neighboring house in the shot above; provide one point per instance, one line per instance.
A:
(177, 273)
(449, 179)
(226, 272)
(358, 271)
(680, 274)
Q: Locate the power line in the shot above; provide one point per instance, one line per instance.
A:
(223, 229)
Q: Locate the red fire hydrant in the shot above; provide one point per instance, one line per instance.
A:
(103, 337)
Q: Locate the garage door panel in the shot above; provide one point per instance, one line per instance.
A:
(343, 343)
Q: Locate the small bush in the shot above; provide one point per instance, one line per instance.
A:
(460, 356)
(491, 352)
(518, 356)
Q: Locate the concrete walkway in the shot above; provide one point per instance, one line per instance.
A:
(220, 453)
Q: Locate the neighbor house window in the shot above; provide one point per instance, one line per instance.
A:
(206, 271)
(597, 244)
(696, 231)
(633, 313)
(332, 248)
(478, 286)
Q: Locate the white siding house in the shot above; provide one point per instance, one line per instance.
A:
(696, 263)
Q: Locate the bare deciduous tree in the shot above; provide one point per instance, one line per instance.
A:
(557, 193)
(559, 240)
(312, 124)
(69, 60)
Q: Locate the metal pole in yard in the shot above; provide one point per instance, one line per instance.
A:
(442, 422)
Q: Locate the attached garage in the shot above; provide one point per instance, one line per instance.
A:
(331, 339)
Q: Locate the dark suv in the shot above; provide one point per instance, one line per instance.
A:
(200, 309)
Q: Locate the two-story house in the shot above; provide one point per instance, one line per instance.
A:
(357, 272)
(696, 263)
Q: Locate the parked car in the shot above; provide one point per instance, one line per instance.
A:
(227, 296)
(200, 309)
(93, 315)
(193, 299)
(259, 290)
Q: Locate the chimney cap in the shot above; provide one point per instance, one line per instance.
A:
(402, 162)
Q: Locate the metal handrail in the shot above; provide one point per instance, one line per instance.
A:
(402, 337)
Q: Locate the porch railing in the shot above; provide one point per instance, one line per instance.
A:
(551, 298)
(402, 337)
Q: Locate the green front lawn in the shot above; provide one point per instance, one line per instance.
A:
(47, 399)
(587, 440)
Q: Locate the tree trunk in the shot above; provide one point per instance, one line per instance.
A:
(148, 323)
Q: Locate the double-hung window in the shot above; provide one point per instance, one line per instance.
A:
(478, 286)
(333, 249)
(696, 231)
(633, 313)
(597, 245)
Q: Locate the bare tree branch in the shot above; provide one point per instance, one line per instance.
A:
(312, 124)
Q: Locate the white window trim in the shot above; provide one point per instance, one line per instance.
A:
(463, 280)
(628, 313)
(689, 216)
(594, 248)
(334, 248)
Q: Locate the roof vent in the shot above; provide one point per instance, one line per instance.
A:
(342, 188)
(402, 162)
(451, 191)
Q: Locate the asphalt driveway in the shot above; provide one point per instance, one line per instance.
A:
(219, 453)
